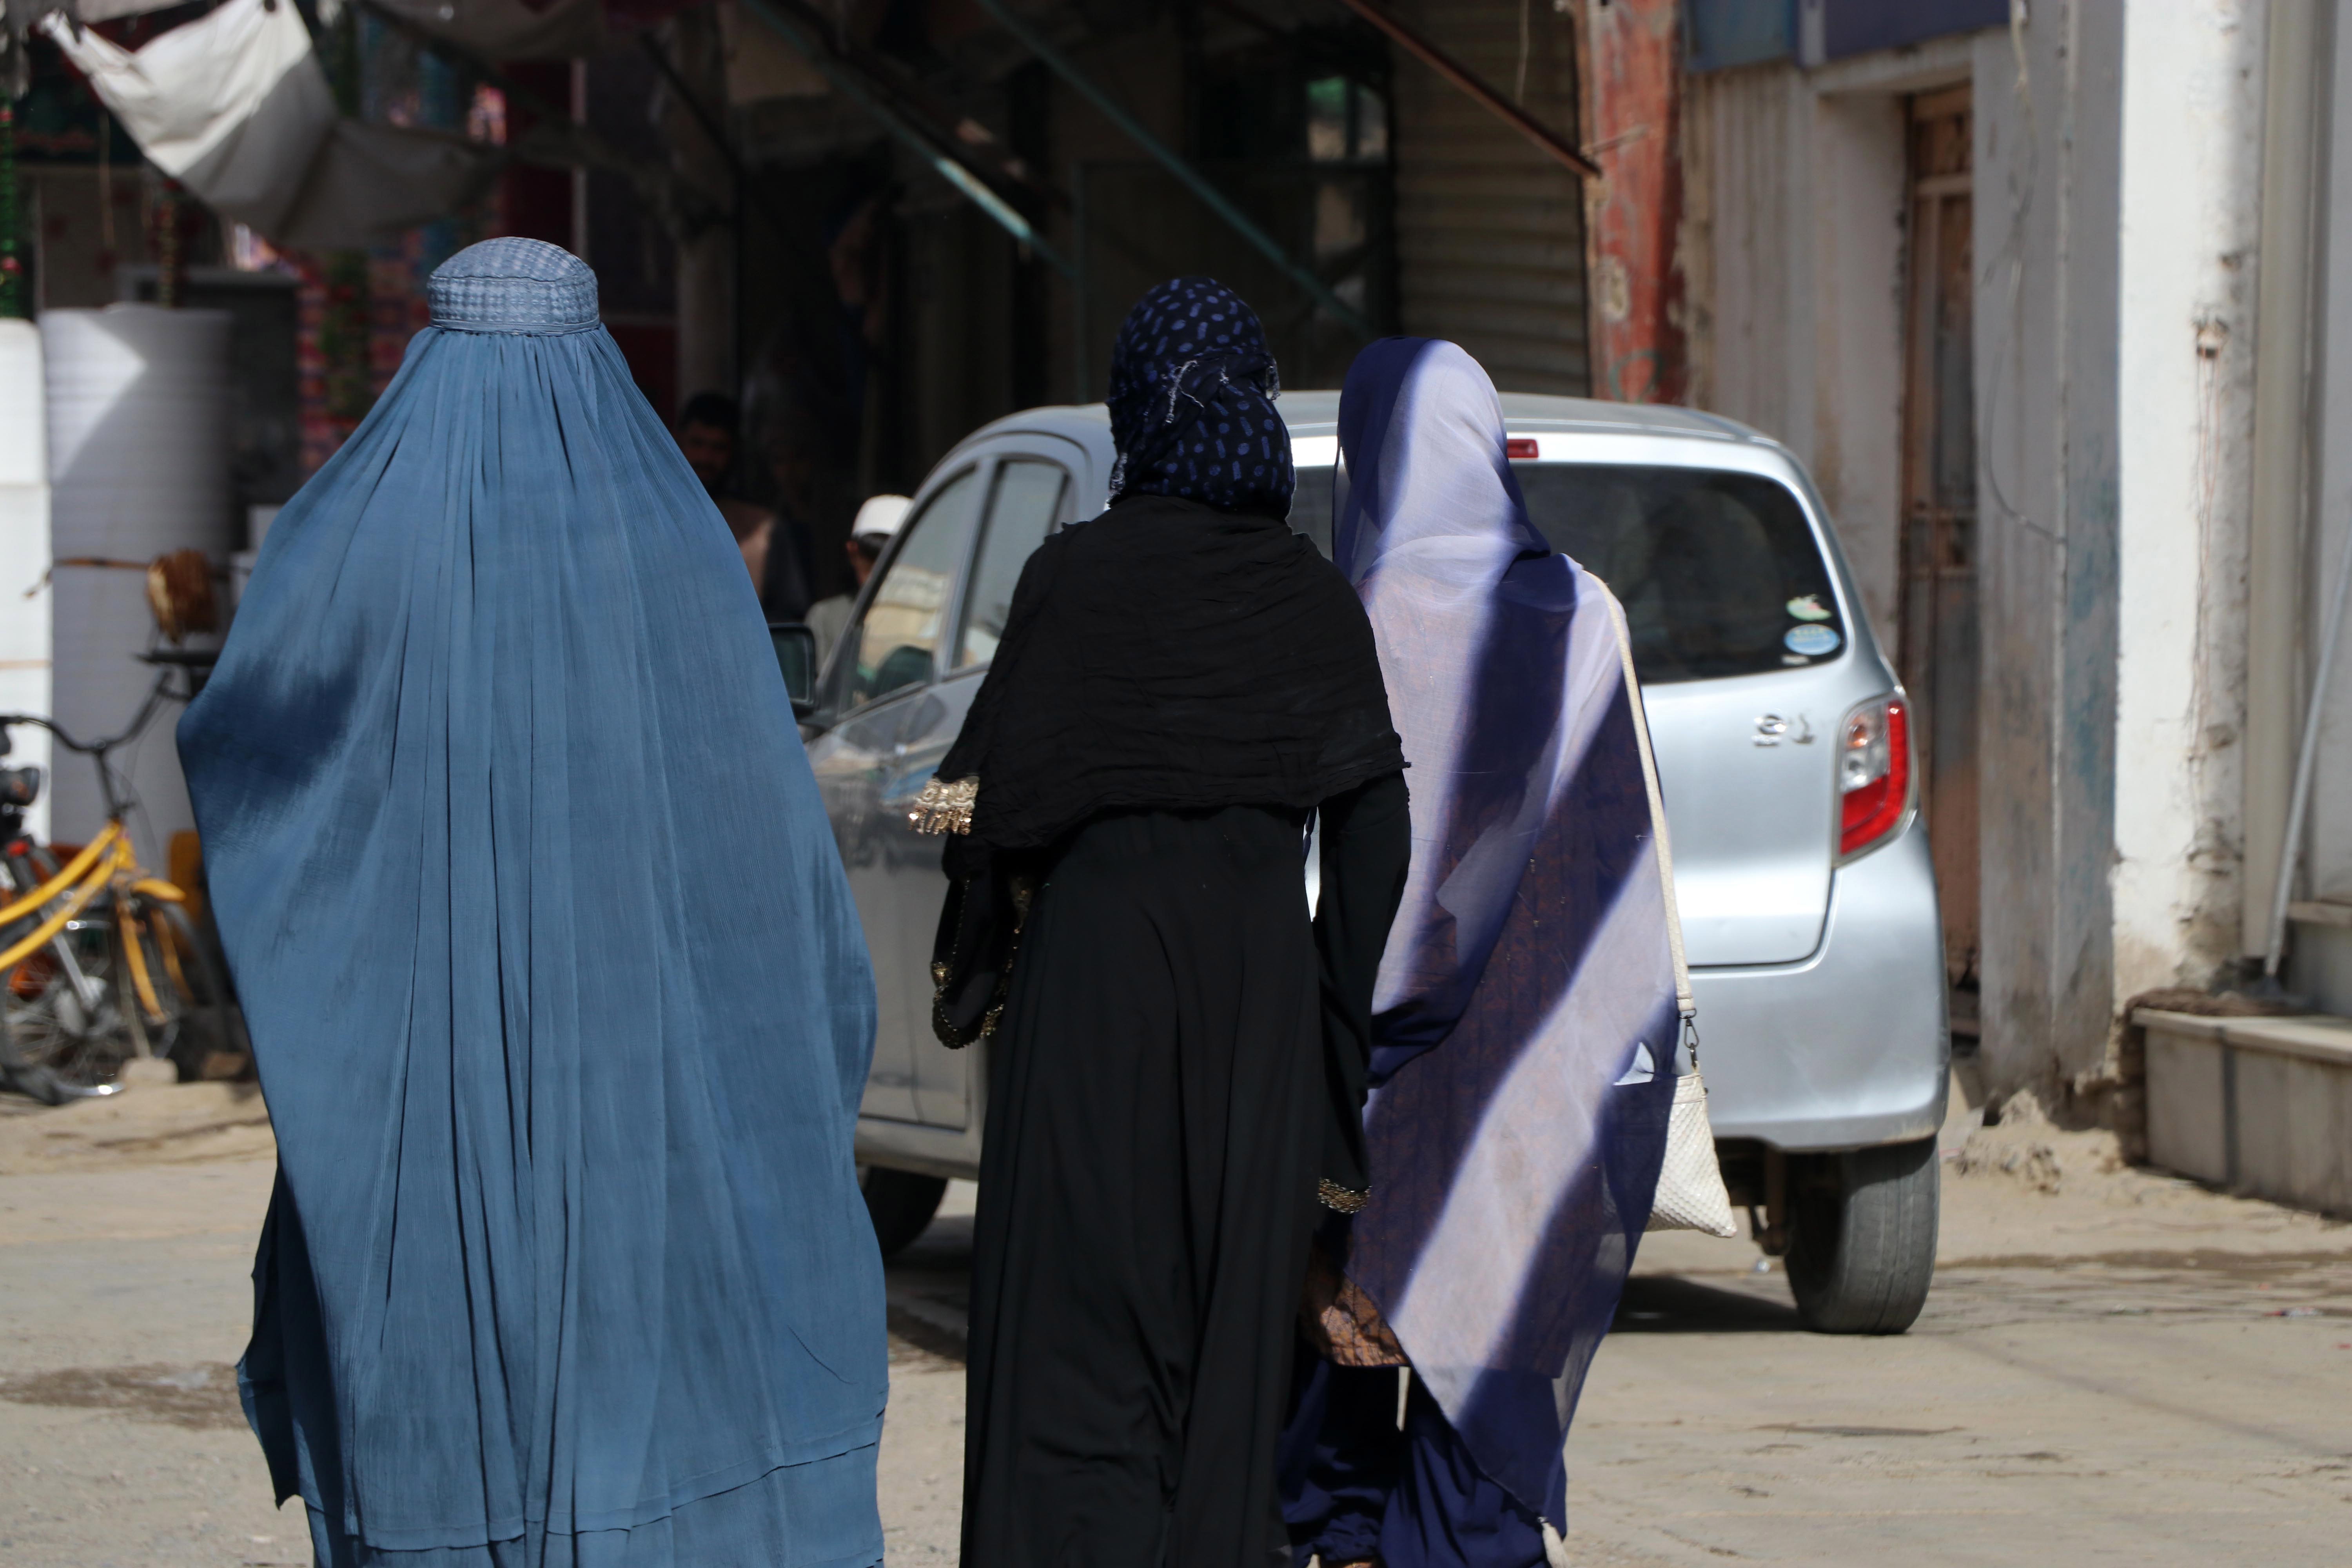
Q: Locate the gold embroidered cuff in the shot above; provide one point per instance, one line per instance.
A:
(944, 807)
(1347, 1200)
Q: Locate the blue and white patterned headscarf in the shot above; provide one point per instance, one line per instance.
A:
(1191, 396)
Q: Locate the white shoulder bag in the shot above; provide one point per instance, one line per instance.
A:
(1690, 1194)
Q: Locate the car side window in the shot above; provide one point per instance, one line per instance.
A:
(1031, 496)
(1310, 505)
(899, 642)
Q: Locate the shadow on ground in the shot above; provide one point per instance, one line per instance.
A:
(1669, 1304)
(196, 1397)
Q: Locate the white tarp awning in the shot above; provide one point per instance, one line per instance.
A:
(499, 29)
(234, 105)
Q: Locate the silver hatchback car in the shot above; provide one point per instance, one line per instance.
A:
(1808, 899)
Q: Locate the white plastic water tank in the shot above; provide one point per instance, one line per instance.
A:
(138, 464)
(23, 550)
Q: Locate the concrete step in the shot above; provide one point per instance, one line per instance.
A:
(2256, 1105)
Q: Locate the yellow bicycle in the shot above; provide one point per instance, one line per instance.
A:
(101, 961)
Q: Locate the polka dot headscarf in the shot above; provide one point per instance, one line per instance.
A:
(1191, 402)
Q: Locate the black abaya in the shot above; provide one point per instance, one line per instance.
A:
(1172, 1055)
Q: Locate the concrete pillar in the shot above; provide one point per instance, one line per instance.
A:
(2321, 965)
(706, 260)
(2300, 34)
(2048, 155)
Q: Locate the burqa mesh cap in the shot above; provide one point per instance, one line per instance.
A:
(513, 285)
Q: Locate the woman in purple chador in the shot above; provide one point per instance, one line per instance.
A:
(1527, 1014)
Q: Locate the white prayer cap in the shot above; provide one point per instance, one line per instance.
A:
(879, 518)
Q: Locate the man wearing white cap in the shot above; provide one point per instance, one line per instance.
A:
(877, 519)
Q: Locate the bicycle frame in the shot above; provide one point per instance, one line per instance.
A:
(106, 863)
(157, 954)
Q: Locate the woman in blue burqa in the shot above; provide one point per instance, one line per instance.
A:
(1526, 1024)
(1176, 1072)
(559, 998)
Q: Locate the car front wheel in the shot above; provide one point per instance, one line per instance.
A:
(1862, 1238)
(901, 1203)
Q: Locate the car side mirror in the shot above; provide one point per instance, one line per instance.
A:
(796, 656)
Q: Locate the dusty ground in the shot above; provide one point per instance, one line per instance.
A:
(2116, 1367)
(124, 1294)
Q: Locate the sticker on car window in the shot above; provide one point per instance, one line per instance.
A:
(1809, 607)
(1813, 641)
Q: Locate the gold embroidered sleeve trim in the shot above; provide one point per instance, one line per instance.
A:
(1347, 1200)
(945, 807)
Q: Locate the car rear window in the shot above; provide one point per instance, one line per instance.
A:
(1718, 572)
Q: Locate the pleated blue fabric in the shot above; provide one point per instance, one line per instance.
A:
(1526, 1018)
(561, 1004)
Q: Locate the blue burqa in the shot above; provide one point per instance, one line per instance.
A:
(559, 1001)
(1526, 1018)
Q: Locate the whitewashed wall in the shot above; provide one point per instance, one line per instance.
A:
(1796, 265)
(2119, 211)
(2191, 226)
(139, 457)
(24, 551)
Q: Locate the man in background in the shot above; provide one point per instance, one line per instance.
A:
(709, 432)
(877, 519)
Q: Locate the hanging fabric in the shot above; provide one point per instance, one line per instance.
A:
(235, 106)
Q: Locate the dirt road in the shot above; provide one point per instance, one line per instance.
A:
(2114, 1367)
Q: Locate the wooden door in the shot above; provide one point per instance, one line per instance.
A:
(1938, 638)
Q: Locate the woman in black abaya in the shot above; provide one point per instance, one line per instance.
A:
(1177, 1047)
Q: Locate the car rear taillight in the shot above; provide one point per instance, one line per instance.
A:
(1874, 773)
(1522, 449)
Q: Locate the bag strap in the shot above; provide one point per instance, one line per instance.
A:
(1665, 854)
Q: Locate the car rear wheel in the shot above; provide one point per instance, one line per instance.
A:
(1862, 1238)
(901, 1203)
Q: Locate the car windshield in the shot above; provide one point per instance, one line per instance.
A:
(1718, 572)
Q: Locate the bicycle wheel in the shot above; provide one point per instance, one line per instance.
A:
(63, 1002)
(27, 1078)
(194, 1025)
(149, 987)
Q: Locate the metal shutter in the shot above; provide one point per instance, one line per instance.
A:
(1490, 232)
